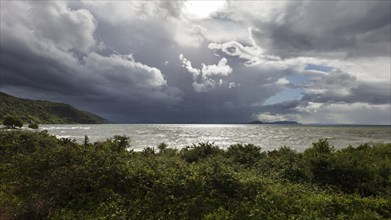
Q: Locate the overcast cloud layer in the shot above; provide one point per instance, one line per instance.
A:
(202, 61)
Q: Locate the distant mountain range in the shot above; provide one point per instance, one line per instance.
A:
(45, 112)
(276, 122)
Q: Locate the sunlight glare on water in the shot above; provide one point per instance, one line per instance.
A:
(268, 137)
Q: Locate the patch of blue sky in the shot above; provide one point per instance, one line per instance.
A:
(296, 79)
(325, 69)
(285, 95)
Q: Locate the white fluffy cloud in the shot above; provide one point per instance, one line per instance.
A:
(221, 68)
(209, 76)
(187, 64)
(252, 54)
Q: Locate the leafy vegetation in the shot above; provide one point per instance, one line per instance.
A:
(33, 126)
(12, 122)
(44, 112)
(45, 177)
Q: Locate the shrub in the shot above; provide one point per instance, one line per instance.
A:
(162, 147)
(351, 170)
(201, 151)
(33, 126)
(12, 122)
(283, 164)
(42, 177)
(118, 143)
(320, 148)
(148, 151)
(247, 154)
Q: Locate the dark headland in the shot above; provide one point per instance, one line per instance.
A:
(45, 112)
(275, 122)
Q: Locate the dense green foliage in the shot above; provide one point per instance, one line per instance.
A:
(12, 122)
(45, 177)
(33, 126)
(44, 112)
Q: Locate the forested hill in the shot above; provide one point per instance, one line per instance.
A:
(45, 112)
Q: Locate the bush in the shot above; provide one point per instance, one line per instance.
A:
(33, 126)
(365, 170)
(320, 148)
(162, 147)
(247, 154)
(201, 151)
(283, 164)
(12, 122)
(42, 177)
(117, 143)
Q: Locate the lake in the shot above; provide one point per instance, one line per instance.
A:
(269, 137)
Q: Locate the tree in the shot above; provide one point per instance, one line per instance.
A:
(12, 122)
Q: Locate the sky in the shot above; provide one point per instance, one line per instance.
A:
(202, 61)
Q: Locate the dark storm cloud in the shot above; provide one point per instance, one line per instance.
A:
(308, 27)
(338, 86)
(222, 104)
(122, 59)
(34, 58)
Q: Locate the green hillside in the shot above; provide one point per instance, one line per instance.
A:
(45, 112)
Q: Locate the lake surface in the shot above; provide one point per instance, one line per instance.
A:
(269, 137)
